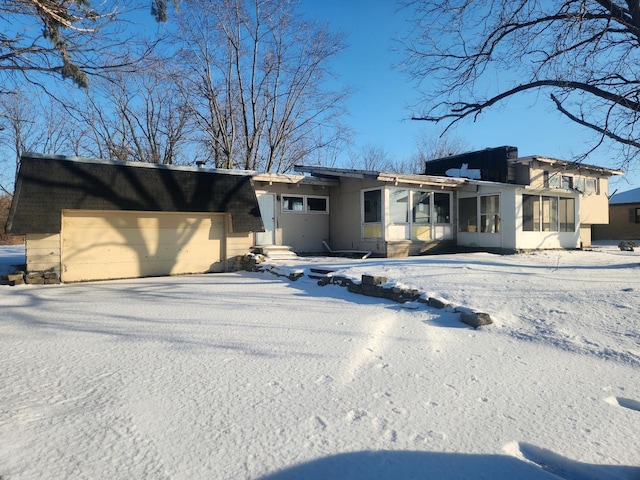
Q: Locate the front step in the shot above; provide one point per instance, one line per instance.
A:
(275, 252)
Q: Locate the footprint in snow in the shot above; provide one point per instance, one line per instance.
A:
(624, 402)
(565, 468)
(356, 415)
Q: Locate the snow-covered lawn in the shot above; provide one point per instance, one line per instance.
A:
(249, 375)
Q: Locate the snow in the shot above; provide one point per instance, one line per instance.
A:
(251, 375)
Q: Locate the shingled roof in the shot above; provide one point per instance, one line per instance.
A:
(46, 185)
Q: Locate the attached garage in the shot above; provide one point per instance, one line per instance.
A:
(107, 245)
(88, 219)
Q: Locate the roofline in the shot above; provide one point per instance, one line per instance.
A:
(416, 179)
(566, 163)
(160, 166)
(293, 179)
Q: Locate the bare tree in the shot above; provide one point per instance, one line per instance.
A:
(583, 54)
(69, 38)
(135, 117)
(29, 122)
(371, 157)
(429, 147)
(255, 78)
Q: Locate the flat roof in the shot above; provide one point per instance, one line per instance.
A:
(335, 173)
(566, 163)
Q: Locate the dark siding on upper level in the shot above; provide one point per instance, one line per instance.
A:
(492, 163)
(47, 185)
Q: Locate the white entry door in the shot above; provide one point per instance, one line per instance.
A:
(267, 203)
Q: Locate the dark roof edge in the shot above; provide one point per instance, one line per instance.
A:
(186, 168)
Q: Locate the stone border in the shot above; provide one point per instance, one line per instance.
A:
(32, 278)
(371, 286)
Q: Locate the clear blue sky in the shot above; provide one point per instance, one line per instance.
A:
(379, 108)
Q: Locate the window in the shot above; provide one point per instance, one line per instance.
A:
(637, 215)
(552, 180)
(530, 213)
(567, 214)
(468, 214)
(442, 207)
(579, 184)
(304, 204)
(318, 204)
(490, 214)
(591, 186)
(398, 206)
(372, 206)
(548, 214)
(567, 182)
(292, 204)
(421, 211)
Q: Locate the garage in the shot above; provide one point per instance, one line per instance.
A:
(100, 245)
(90, 219)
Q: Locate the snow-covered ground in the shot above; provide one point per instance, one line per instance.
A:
(250, 375)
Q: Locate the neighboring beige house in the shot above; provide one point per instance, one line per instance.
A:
(624, 218)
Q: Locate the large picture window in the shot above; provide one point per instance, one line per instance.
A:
(468, 214)
(398, 206)
(372, 206)
(490, 214)
(548, 214)
(405, 213)
(421, 211)
(567, 214)
(372, 213)
(442, 207)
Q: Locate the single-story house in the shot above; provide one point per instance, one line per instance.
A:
(624, 217)
(90, 219)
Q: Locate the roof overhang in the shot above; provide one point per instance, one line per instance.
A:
(567, 164)
(385, 177)
(281, 178)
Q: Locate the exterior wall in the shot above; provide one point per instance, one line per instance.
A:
(347, 222)
(302, 231)
(594, 208)
(346, 217)
(526, 240)
(43, 252)
(237, 245)
(585, 236)
(505, 239)
(593, 205)
(622, 224)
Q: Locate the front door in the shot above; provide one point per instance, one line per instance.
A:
(267, 203)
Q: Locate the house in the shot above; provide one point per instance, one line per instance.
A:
(388, 214)
(89, 219)
(543, 202)
(624, 218)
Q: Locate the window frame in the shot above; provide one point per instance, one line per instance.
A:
(547, 213)
(305, 204)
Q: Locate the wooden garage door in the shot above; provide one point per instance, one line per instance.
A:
(99, 245)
